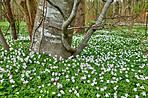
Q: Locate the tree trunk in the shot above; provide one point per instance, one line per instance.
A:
(11, 18)
(46, 39)
(80, 17)
(33, 8)
(3, 41)
(27, 16)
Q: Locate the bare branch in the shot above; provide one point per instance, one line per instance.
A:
(65, 26)
(44, 16)
(71, 17)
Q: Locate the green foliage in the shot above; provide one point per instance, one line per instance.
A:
(112, 65)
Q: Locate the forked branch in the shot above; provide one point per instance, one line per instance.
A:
(93, 29)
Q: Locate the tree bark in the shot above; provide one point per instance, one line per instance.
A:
(11, 18)
(80, 18)
(3, 41)
(46, 39)
(23, 3)
(93, 29)
(33, 9)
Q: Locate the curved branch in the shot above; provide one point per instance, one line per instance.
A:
(66, 45)
(65, 26)
(71, 17)
(57, 9)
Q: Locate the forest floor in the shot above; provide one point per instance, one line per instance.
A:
(112, 65)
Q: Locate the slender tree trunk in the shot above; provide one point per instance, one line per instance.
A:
(80, 17)
(96, 8)
(11, 18)
(23, 3)
(33, 9)
(3, 41)
(146, 21)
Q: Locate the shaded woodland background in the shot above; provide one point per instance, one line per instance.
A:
(122, 10)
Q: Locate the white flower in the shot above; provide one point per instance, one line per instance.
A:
(75, 91)
(88, 81)
(67, 76)
(92, 84)
(105, 87)
(47, 92)
(41, 91)
(42, 85)
(138, 84)
(142, 87)
(52, 79)
(126, 75)
(106, 95)
(59, 85)
(53, 93)
(127, 80)
(1, 76)
(97, 88)
(114, 78)
(17, 93)
(101, 80)
(73, 80)
(143, 93)
(70, 90)
(136, 96)
(126, 95)
(115, 96)
(135, 89)
(101, 77)
(12, 81)
(102, 89)
(107, 81)
(115, 88)
(24, 82)
(77, 94)
(54, 83)
(97, 95)
(62, 92)
(13, 85)
(59, 95)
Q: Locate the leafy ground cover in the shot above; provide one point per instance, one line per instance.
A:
(111, 66)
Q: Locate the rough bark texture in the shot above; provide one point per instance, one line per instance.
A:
(11, 19)
(3, 41)
(47, 39)
(80, 17)
(26, 16)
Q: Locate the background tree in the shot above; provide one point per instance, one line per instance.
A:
(3, 41)
(10, 17)
(80, 18)
(29, 13)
